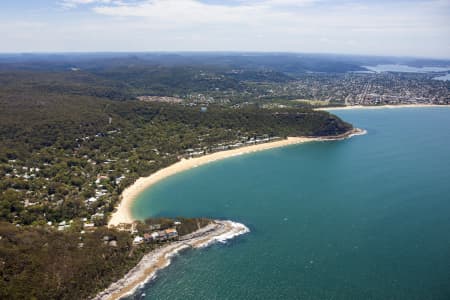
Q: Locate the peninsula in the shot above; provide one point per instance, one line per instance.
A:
(145, 270)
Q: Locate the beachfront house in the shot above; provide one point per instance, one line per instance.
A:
(171, 233)
(163, 235)
(154, 235)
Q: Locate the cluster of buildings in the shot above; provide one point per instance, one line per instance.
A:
(22, 172)
(86, 225)
(364, 88)
(157, 236)
(244, 141)
(163, 99)
(100, 189)
(36, 188)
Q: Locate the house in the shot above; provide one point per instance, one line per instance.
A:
(63, 225)
(138, 240)
(171, 233)
(89, 226)
(100, 178)
(147, 237)
(119, 179)
(98, 215)
(154, 235)
(91, 200)
(110, 241)
(162, 236)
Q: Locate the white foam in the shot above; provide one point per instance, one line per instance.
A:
(226, 230)
(237, 229)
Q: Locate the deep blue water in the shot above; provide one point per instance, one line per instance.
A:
(364, 218)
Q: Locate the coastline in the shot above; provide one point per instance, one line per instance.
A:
(146, 269)
(351, 107)
(217, 231)
(129, 195)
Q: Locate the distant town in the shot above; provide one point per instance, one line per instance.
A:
(363, 88)
(76, 133)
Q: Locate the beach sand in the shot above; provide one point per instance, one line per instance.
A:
(350, 107)
(218, 231)
(123, 212)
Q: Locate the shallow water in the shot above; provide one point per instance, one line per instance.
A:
(364, 218)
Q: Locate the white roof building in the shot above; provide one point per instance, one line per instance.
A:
(138, 240)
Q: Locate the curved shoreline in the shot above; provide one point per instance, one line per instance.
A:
(146, 269)
(218, 231)
(123, 212)
(388, 106)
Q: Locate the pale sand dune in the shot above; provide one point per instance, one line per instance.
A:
(123, 212)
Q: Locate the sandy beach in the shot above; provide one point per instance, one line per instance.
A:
(350, 107)
(123, 212)
(145, 270)
(218, 231)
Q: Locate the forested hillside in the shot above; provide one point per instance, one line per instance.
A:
(75, 140)
(71, 141)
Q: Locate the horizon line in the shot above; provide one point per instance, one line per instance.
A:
(218, 52)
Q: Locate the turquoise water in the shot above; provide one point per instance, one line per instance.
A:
(364, 218)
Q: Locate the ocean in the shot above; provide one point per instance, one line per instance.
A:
(363, 218)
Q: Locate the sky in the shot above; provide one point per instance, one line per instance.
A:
(383, 27)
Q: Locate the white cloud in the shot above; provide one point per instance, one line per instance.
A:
(75, 3)
(418, 28)
(184, 11)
